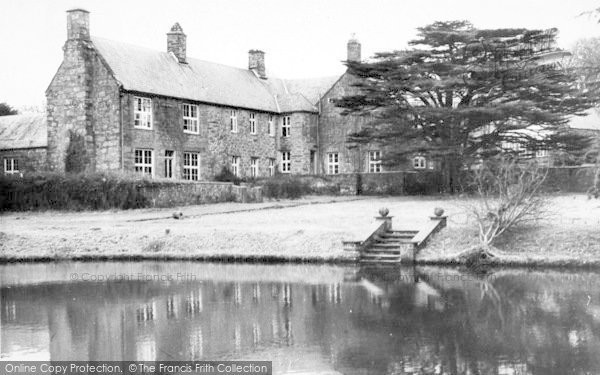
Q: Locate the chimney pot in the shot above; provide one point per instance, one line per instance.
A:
(78, 24)
(256, 62)
(176, 43)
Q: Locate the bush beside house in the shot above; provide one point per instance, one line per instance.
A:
(108, 191)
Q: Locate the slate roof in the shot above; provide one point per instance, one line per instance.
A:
(23, 131)
(312, 89)
(154, 72)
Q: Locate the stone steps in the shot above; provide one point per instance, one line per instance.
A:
(398, 234)
(388, 247)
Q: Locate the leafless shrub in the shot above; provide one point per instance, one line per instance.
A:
(508, 194)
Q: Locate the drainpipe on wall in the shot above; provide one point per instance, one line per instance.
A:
(121, 128)
(318, 152)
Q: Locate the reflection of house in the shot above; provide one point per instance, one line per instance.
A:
(195, 321)
(496, 325)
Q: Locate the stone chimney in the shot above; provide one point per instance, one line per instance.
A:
(353, 50)
(256, 62)
(78, 24)
(176, 42)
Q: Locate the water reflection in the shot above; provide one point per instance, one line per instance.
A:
(316, 319)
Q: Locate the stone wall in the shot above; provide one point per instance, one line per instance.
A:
(181, 193)
(166, 134)
(392, 183)
(83, 97)
(68, 102)
(29, 159)
(335, 128)
(223, 144)
(301, 142)
(431, 182)
(387, 183)
(570, 179)
(215, 141)
(105, 117)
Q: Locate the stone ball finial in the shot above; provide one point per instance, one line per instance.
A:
(438, 211)
(383, 211)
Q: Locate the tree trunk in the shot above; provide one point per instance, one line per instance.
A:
(452, 174)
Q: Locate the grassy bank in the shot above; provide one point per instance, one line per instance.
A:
(568, 236)
(291, 230)
(310, 229)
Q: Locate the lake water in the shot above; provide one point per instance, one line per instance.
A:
(306, 319)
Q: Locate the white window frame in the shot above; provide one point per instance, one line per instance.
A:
(374, 159)
(419, 162)
(169, 164)
(271, 128)
(252, 123)
(286, 126)
(333, 163)
(11, 165)
(286, 161)
(142, 113)
(254, 167)
(144, 167)
(191, 166)
(233, 123)
(271, 167)
(235, 165)
(190, 119)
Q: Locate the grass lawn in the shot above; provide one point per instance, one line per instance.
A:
(309, 229)
(570, 234)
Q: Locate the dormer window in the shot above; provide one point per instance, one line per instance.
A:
(142, 113)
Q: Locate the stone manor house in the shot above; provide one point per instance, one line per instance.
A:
(166, 115)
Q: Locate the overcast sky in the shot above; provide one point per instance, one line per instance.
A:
(301, 38)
